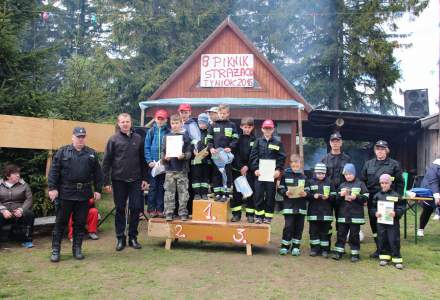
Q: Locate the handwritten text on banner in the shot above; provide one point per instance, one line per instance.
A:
(227, 70)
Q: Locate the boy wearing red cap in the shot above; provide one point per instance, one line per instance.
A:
(222, 134)
(266, 147)
(153, 154)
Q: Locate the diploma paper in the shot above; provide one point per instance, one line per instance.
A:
(294, 191)
(174, 145)
(202, 153)
(267, 170)
(384, 208)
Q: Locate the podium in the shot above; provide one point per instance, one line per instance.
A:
(210, 223)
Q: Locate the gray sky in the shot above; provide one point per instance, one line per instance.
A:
(419, 64)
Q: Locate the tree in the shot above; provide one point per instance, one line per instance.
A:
(338, 53)
(83, 95)
(151, 38)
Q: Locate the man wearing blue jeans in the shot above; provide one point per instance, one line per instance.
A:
(153, 154)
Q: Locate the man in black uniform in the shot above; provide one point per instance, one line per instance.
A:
(73, 170)
(371, 173)
(124, 156)
(335, 161)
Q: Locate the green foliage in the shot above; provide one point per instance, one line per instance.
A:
(82, 95)
(339, 54)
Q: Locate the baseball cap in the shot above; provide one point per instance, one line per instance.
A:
(381, 143)
(335, 136)
(268, 124)
(212, 109)
(184, 106)
(79, 131)
(161, 114)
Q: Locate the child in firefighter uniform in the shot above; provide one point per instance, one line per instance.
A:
(199, 163)
(240, 167)
(294, 189)
(388, 235)
(222, 134)
(353, 194)
(266, 147)
(319, 213)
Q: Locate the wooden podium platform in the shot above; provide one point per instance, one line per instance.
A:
(210, 223)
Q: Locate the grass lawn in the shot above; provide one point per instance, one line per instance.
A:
(194, 270)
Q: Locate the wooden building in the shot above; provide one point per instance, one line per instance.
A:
(228, 68)
(428, 144)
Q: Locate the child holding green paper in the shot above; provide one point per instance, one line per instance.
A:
(294, 189)
(388, 234)
(319, 213)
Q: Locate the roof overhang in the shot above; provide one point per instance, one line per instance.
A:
(359, 126)
(232, 102)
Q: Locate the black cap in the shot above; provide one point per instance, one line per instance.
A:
(336, 136)
(79, 131)
(381, 143)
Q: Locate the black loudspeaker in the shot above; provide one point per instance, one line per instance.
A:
(416, 103)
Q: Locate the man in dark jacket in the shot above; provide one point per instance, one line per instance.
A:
(430, 181)
(75, 169)
(335, 161)
(371, 173)
(124, 157)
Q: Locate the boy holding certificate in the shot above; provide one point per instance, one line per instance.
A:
(177, 153)
(266, 161)
(388, 207)
(293, 188)
(320, 213)
(352, 196)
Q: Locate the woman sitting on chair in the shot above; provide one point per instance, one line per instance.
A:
(16, 203)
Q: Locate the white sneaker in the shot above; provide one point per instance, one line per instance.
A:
(436, 217)
(420, 232)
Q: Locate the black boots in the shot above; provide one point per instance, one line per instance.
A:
(120, 245)
(76, 246)
(133, 243)
(56, 247)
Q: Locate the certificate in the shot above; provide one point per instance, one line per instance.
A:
(267, 170)
(384, 208)
(174, 145)
(202, 153)
(294, 191)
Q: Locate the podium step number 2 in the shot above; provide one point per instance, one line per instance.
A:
(210, 224)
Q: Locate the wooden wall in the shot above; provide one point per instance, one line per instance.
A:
(49, 134)
(427, 148)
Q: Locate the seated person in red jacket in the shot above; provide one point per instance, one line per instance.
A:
(92, 221)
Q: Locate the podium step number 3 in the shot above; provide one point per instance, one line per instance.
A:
(210, 224)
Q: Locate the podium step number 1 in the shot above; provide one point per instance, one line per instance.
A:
(210, 223)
